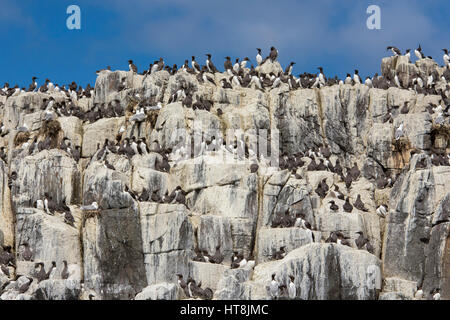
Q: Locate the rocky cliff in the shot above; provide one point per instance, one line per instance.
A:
(133, 246)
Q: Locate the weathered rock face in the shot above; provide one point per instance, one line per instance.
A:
(50, 238)
(113, 255)
(52, 172)
(133, 248)
(168, 241)
(408, 227)
(58, 290)
(321, 271)
(161, 291)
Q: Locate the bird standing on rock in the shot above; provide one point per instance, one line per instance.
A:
(333, 206)
(359, 204)
(274, 288)
(347, 206)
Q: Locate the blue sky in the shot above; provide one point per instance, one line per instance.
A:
(328, 33)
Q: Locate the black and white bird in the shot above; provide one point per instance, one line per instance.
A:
(259, 58)
(228, 66)
(408, 54)
(289, 68)
(33, 86)
(397, 81)
(394, 50)
(274, 288)
(236, 66)
(418, 53)
(348, 79)
(210, 65)
(333, 205)
(292, 290)
(244, 62)
(436, 294)
(356, 77)
(132, 67)
(195, 64)
(446, 57)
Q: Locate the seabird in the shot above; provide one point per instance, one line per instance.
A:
(354, 172)
(368, 246)
(6, 257)
(408, 54)
(33, 86)
(226, 84)
(4, 269)
(382, 211)
(244, 62)
(91, 207)
(195, 65)
(289, 68)
(132, 67)
(320, 191)
(259, 58)
(436, 295)
(360, 241)
(25, 286)
(348, 180)
(217, 257)
(292, 290)
(243, 261)
(228, 66)
(356, 77)
(139, 116)
(41, 274)
(341, 239)
(347, 206)
(236, 66)
(333, 206)
(418, 53)
(207, 78)
(332, 238)
(312, 165)
(404, 109)
(274, 288)
(446, 57)
(397, 81)
(280, 254)
(68, 218)
(27, 254)
(23, 128)
(183, 285)
(394, 50)
(359, 204)
(399, 132)
(273, 54)
(338, 193)
(348, 79)
(209, 65)
(47, 275)
(65, 271)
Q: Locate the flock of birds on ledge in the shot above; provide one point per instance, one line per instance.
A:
(239, 76)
